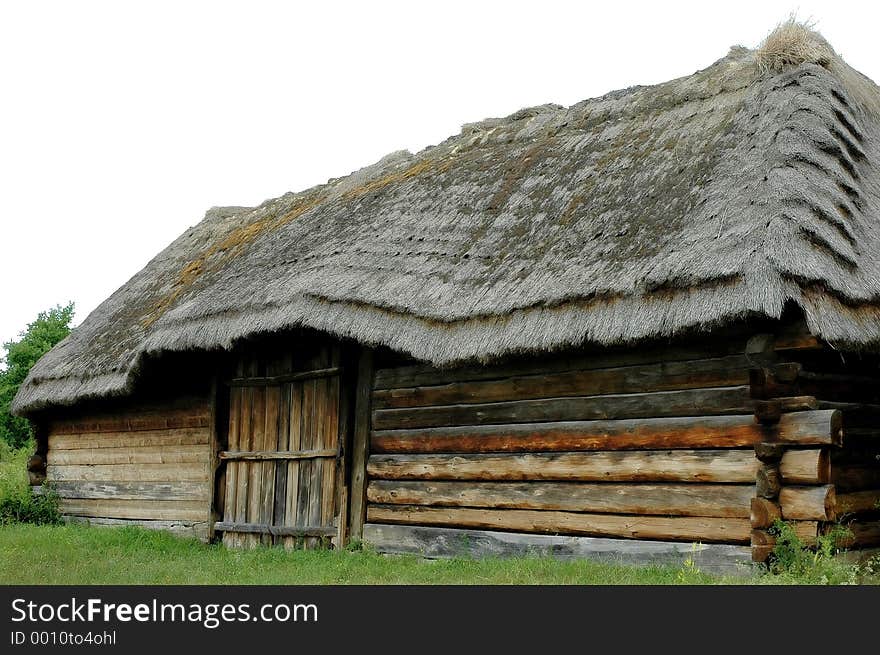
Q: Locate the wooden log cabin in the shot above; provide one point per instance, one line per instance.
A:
(641, 327)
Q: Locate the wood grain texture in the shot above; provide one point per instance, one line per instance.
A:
(763, 512)
(811, 466)
(808, 503)
(649, 499)
(609, 466)
(131, 455)
(441, 542)
(361, 443)
(131, 472)
(667, 376)
(692, 402)
(633, 434)
(144, 438)
(162, 490)
(726, 530)
(164, 510)
(424, 374)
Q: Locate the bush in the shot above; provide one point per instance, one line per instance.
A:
(18, 504)
(47, 330)
(791, 558)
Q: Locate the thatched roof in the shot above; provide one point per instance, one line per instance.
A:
(724, 195)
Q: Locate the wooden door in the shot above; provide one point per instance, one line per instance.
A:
(284, 477)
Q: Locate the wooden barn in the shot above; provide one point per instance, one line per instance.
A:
(644, 326)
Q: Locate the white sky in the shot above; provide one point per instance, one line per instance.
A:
(122, 122)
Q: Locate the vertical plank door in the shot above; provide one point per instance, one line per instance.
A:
(284, 469)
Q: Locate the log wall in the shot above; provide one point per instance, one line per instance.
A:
(838, 483)
(651, 444)
(147, 464)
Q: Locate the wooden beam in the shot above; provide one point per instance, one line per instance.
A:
(677, 528)
(424, 374)
(625, 434)
(701, 373)
(857, 501)
(267, 455)
(729, 500)
(181, 510)
(360, 443)
(168, 490)
(143, 438)
(603, 466)
(808, 503)
(277, 530)
(818, 427)
(690, 402)
(811, 466)
(192, 472)
(442, 542)
(277, 380)
(763, 512)
(199, 453)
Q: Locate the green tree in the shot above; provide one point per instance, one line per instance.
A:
(48, 329)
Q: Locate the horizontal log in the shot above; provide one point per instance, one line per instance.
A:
(276, 530)
(437, 542)
(176, 490)
(145, 438)
(165, 510)
(807, 503)
(651, 433)
(770, 410)
(677, 528)
(667, 376)
(818, 427)
(863, 534)
(760, 553)
(763, 512)
(857, 501)
(653, 499)
(275, 380)
(196, 529)
(425, 374)
(691, 402)
(855, 477)
(607, 466)
(130, 472)
(277, 454)
(805, 467)
(131, 455)
(806, 532)
(160, 419)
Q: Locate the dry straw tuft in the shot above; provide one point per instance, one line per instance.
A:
(791, 44)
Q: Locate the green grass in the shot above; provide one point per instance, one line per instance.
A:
(78, 554)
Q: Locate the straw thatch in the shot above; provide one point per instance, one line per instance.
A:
(728, 194)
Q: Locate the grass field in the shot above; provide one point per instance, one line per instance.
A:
(79, 554)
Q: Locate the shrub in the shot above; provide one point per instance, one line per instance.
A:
(47, 329)
(792, 558)
(18, 504)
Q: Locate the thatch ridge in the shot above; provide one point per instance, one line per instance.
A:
(744, 188)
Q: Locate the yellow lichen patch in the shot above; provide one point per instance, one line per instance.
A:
(423, 166)
(230, 246)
